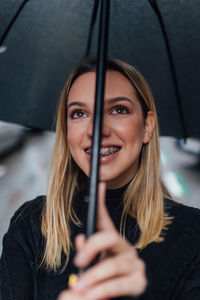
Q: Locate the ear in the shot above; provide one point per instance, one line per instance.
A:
(150, 123)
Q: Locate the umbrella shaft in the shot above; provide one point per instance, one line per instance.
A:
(98, 112)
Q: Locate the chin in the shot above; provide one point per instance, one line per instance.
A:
(107, 176)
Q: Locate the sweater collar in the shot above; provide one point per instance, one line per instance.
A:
(111, 195)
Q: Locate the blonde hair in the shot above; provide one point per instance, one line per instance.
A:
(143, 199)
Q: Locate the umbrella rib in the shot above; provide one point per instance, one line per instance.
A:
(9, 27)
(156, 9)
(92, 23)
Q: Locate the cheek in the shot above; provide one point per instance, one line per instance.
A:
(131, 131)
(72, 137)
(75, 137)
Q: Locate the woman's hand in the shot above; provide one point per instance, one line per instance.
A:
(119, 271)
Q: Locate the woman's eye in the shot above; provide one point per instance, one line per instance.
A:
(120, 110)
(78, 114)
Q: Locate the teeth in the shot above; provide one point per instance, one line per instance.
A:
(89, 151)
(105, 151)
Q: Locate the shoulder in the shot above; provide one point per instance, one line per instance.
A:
(30, 208)
(181, 210)
(181, 239)
(184, 217)
(174, 261)
(185, 221)
(181, 259)
(24, 237)
(28, 216)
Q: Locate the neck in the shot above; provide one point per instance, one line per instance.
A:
(116, 185)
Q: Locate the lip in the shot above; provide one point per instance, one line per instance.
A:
(105, 159)
(103, 146)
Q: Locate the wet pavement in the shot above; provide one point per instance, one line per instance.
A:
(23, 174)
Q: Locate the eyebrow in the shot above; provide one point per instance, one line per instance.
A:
(108, 101)
(117, 99)
(76, 103)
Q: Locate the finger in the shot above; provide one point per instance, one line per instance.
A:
(71, 295)
(107, 269)
(133, 285)
(104, 221)
(100, 242)
(80, 240)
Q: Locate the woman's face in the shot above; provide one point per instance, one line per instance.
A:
(124, 130)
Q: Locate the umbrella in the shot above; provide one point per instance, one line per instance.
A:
(49, 37)
(181, 128)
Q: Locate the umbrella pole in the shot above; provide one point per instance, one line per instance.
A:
(97, 125)
(98, 112)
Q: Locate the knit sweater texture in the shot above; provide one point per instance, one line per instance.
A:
(172, 266)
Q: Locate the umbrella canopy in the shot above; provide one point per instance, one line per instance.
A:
(49, 37)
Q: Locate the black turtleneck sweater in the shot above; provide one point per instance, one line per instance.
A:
(173, 266)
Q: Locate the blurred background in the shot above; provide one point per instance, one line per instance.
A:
(25, 157)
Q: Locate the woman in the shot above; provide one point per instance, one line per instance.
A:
(137, 222)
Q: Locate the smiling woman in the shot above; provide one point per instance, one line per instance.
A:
(124, 130)
(142, 234)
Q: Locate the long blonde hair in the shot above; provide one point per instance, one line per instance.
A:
(143, 199)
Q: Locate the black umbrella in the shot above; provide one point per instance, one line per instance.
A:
(34, 98)
(49, 37)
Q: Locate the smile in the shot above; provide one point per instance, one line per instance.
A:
(104, 151)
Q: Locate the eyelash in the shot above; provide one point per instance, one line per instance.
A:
(119, 107)
(74, 112)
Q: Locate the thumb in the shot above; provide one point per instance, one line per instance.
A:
(104, 221)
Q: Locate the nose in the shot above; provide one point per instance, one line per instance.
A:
(106, 130)
(90, 128)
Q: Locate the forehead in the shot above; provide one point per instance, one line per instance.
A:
(116, 85)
